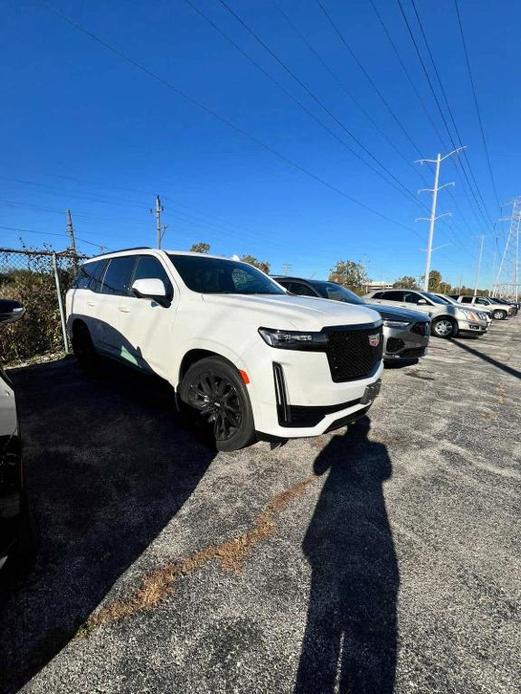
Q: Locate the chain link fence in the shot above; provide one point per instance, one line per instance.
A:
(38, 279)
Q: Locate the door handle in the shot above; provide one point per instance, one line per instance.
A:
(124, 309)
(91, 303)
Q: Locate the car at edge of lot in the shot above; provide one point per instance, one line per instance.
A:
(498, 311)
(506, 302)
(252, 360)
(406, 332)
(15, 532)
(447, 320)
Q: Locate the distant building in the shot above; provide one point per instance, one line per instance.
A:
(374, 285)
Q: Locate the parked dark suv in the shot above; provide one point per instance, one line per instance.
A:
(406, 333)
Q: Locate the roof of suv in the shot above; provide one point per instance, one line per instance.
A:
(137, 249)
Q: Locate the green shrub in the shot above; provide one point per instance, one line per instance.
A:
(29, 279)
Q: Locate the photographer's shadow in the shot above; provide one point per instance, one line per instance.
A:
(351, 633)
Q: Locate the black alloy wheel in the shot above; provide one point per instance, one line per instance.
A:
(215, 391)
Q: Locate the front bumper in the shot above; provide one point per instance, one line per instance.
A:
(406, 343)
(470, 326)
(300, 399)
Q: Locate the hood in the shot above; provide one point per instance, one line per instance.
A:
(287, 312)
(395, 313)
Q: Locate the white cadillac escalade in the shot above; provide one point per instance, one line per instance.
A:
(253, 360)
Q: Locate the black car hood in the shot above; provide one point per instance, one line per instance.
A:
(395, 313)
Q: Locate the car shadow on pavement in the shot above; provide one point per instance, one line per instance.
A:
(498, 364)
(107, 466)
(350, 639)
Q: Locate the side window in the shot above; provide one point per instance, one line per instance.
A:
(89, 275)
(97, 275)
(118, 275)
(482, 302)
(378, 295)
(149, 267)
(411, 298)
(393, 296)
(301, 289)
(466, 299)
(84, 275)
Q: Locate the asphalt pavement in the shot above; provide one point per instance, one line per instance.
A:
(381, 558)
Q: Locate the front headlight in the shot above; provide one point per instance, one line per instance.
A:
(294, 339)
(391, 323)
(467, 315)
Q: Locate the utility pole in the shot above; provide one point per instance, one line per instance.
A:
(432, 219)
(479, 263)
(72, 237)
(160, 229)
(70, 232)
(286, 268)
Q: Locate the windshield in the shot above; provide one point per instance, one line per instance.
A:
(446, 299)
(221, 276)
(331, 290)
(434, 298)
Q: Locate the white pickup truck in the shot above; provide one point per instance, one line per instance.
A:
(240, 351)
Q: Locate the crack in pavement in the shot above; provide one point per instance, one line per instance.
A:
(230, 554)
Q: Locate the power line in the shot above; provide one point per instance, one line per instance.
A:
(346, 91)
(420, 100)
(476, 103)
(365, 113)
(436, 99)
(407, 74)
(481, 203)
(368, 76)
(49, 233)
(314, 97)
(223, 119)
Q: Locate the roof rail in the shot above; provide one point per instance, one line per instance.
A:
(122, 250)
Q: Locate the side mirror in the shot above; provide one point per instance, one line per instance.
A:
(151, 288)
(10, 311)
(422, 302)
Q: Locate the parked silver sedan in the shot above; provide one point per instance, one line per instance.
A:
(447, 320)
(480, 310)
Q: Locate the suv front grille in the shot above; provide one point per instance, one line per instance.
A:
(350, 353)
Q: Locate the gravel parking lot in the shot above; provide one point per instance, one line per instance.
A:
(382, 559)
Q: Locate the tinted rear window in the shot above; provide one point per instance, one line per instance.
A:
(119, 275)
(89, 275)
(393, 296)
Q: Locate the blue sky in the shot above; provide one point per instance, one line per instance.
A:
(82, 128)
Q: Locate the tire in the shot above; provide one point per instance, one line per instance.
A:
(83, 348)
(444, 327)
(214, 390)
(499, 314)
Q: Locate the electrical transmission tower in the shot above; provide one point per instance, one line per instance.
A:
(507, 279)
(432, 219)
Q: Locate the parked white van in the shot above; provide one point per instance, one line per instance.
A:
(237, 348)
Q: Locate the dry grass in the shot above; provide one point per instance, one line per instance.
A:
(230, 554)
